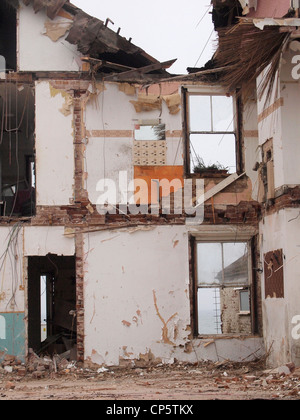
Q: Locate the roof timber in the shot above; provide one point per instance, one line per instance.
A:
(95, 39)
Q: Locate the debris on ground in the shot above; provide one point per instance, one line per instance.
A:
(199, 381)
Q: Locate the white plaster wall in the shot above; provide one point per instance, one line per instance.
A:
(123, 269)
(105, 159)
(107, 156)
(252, 151)
(36, 51)
(43, 240)
(283, 125)
(174, 152)
(11, 270)
(271, 128)
(292, 275)
(290, 92)
(280, 231)
(112, 110)
(54, 149)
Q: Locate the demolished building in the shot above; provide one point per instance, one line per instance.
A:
(146, 216)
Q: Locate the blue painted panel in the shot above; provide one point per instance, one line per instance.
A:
(12, 335)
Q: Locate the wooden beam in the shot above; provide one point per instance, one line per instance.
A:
(142, 70)
(103, 63)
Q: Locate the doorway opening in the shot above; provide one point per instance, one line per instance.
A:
(52, 320)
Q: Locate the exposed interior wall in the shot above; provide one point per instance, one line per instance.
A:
(139, 300)
(54, 146)
(110, 130)
(290, 90)
(36, 50)
(278, 120)
(137, 282)
(278, 232)
(252, 153)
(41, 240)
(270, 127)
(279, 126)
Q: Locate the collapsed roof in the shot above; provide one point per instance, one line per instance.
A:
(96, 40)
(246, 47)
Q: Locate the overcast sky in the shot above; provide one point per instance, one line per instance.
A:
(165, 29)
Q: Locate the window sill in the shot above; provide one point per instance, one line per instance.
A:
(226, 336)
(208, 174)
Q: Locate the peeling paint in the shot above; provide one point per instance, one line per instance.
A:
(173, 103)
(128, 89)
(66, 110)
(56, 30)
(146, 103)
(165, 332)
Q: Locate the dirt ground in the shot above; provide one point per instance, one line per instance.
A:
(180, 382)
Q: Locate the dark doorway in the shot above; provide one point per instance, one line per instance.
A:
(8, 35)
(52, 306)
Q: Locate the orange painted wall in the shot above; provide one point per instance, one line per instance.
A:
(150, 173)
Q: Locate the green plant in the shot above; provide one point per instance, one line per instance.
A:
(201, 167)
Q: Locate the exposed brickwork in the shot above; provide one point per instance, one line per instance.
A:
(290, 198)
(50, 216)
(257, 314)
(232, 321)
(246, 213)
(79, 250)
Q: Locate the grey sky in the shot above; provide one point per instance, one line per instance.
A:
(165, 29)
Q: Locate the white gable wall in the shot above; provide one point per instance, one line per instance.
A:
(36, 51)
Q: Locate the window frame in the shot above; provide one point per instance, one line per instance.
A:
(211, 91)
(216, 236)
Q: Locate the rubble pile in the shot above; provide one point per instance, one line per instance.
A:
(202, 380)
(36, 367)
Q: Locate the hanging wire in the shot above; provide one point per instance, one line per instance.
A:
(11, 254)
(204, 47)
(206, 12)
(17, 154)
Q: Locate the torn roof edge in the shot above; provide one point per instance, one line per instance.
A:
(93, 37)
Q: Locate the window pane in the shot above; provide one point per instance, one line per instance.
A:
(150, 132)
(213, 150)
(200, 113)
(236, 264)
(222, 113)
(209, 263)
(209, 311)
(245, 301)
